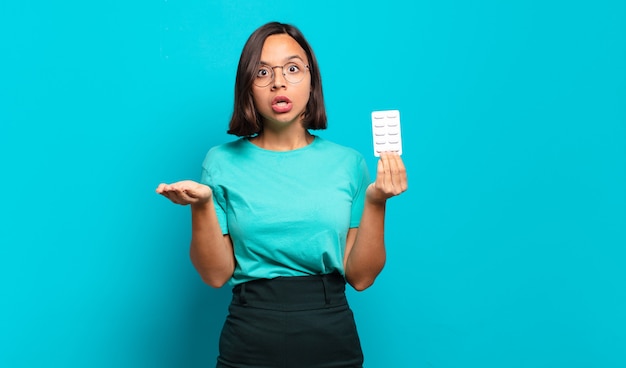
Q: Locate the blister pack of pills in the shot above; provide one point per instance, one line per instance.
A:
(386, 132)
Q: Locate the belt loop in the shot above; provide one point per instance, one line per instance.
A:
(326, 293)
(242, 295)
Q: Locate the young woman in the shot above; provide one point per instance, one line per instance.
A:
(285, 216)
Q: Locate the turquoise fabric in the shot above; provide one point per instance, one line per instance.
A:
(288, 213)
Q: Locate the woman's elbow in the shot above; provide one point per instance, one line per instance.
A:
(214, 277)
(215, 282)
(361, 286)
(362, 283)
(361, 279)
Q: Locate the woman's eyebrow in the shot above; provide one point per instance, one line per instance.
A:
(295, 57)
(289, 58)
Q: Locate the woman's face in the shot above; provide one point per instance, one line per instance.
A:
(282, 103)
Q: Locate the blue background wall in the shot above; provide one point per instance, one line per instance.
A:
(508, 250)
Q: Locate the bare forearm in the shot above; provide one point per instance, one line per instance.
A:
(211, 252)
(367, 256)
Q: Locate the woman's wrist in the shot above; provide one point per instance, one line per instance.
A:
(203, 205)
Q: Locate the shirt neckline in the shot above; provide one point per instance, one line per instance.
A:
(300, 149)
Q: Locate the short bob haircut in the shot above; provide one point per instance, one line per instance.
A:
(245, 120)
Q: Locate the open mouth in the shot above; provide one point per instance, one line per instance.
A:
(281, 100)
(281, 104)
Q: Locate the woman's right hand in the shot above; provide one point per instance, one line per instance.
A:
(185, 192)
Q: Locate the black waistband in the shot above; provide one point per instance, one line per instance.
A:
(292, 293)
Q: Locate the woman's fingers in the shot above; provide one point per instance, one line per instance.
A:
(184, 192)
(172, 193)
(387, 175)
(398, 170)
(391, 175)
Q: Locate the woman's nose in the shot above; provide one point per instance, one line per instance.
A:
(279, 78)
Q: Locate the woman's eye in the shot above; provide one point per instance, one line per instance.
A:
(293, 68)
(263, 73)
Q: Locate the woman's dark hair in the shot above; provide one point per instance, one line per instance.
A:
(245, 120)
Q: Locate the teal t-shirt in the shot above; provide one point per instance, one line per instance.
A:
(287, 212)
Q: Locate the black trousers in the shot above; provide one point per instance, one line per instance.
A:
(290, 322)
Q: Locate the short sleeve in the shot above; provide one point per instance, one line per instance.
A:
(210, 172)
(361, 181)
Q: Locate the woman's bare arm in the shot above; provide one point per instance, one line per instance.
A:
(211, 252)
(365, 254)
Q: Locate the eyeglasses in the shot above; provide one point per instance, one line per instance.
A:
(292, 71)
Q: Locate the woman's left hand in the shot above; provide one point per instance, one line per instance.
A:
(391, 179)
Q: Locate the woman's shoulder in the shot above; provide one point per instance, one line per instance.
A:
(227, 148)
(223, 154)
(337, 149)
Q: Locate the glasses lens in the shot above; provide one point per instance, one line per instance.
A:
(293, 72)
(264, 76)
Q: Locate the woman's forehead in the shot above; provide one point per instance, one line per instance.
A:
(281, 48)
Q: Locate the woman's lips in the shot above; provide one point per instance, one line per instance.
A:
(281, 104)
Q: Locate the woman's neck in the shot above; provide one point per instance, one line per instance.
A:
(283, 141)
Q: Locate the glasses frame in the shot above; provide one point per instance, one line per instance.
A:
(282, 67)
